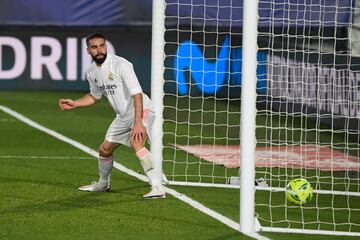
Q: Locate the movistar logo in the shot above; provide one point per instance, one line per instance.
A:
(209, 76)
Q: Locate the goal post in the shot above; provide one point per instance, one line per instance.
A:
(262, 91)
(157, 81)
(248, 106)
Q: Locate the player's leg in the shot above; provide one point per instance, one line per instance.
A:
(105, 164)
(147, 161)
(106, 161)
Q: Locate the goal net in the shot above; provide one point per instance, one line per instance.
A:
(308, 106)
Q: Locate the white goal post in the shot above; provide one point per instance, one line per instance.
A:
(248, 105)
(157, 80)
(251, 94)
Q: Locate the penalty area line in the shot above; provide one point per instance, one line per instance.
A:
(228, 222)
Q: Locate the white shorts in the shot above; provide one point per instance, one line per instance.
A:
(119, 130)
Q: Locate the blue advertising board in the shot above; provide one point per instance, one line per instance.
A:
(210, 76)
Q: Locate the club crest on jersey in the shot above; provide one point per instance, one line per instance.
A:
(110, 76)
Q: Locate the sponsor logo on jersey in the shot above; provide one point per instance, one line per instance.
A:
(107, 87)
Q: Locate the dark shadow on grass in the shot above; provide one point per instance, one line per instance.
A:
(146, 215)
(81, 200)
(46, 182)
(45, 168)
(63, 184)
(123, 201)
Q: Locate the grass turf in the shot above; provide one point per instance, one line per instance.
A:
(39, 198)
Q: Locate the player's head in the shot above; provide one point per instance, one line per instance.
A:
(96, 47)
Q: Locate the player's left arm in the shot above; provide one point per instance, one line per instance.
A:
(126, 70)
(138, 133)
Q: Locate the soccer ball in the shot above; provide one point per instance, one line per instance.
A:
(299, 191)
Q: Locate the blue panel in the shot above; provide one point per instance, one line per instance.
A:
(210, 76)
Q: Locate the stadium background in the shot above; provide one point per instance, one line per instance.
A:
(51, 32)
(42, 47)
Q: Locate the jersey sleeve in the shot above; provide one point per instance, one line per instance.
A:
(129, 77)
(94, 89)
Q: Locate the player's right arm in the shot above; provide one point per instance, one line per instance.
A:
(84, 101)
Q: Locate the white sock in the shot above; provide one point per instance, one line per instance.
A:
(147, 164)
(105, 166)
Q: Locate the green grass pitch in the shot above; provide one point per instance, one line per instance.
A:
(39, 197)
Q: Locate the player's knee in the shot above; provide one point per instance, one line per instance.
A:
(136, 146)
(105, 151)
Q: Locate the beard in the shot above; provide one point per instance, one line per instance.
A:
(100, 60)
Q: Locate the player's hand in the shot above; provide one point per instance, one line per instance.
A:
(138, 133)
(66, 104)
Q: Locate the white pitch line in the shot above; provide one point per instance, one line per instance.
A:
(230, 223)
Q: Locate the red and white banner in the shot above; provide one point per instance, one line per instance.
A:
(305, 157)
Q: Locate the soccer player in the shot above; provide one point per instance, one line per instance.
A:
(114, 77)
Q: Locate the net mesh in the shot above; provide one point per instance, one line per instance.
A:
(308, 104)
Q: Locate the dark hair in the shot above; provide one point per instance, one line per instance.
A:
(93, 36)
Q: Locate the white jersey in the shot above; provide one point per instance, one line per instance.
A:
(116, 80)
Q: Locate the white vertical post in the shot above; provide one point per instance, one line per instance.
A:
(157, 80)
(248, 115)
